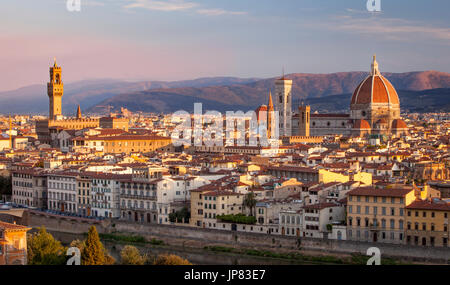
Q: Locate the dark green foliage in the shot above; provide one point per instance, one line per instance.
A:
(5, 186)
(238, 218)
(123, 238)
(250, 202)
(43, 249)
(178, 216)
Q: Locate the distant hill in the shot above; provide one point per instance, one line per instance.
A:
(33, 99)
(432, 100)
(247, 96)
(218, 93)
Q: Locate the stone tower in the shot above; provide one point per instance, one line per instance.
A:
(304, 120)
(55, 91)
(283, 104)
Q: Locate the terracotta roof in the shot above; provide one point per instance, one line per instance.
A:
(320, 206)
(429, 205)
(380, 192)
(330, 115)
(12, 227)
(293, 169)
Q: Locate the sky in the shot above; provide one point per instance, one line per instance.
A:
(187, 39)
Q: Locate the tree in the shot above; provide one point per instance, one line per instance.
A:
(170, 259)
(179, 216)
(130, 255)
(93, 252)
(78, 243)
(43, 249)
(5, 186)
(250, 202)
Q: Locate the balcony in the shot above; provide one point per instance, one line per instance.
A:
(136, 208)
(142, 197)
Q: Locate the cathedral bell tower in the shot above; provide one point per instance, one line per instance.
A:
(283, 105)
(55, 91)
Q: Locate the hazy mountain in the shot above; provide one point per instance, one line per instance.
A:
(250, 95)
(432, 100)
(218, 93)
(33, 99)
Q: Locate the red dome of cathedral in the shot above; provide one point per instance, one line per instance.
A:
(375, 88)
(399, 124)
(361, 124)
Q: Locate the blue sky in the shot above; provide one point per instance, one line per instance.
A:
(185, 39)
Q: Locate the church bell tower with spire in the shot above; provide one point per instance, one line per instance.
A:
(55, 91)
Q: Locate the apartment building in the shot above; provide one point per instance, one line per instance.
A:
(378, 214)
(105, 195)
(273, 214)
(318, 217)
(208, 202)
(62, 191)
(427, 223)
(29, 188)
(83, 190)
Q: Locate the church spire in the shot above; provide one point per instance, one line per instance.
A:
(270, 105)
(79, 112)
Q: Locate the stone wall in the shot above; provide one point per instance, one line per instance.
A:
(205, 237)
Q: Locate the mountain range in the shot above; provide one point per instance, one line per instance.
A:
(311, 88)
(325, 92)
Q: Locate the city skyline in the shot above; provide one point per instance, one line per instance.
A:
(176, 40)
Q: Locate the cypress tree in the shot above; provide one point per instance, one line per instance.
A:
(93, 252)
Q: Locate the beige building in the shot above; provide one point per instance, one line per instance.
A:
(427, 223)
(378, 215)
(136, 143)
(13, 244)
(29, 188)
(207, 204)
(83, 189)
